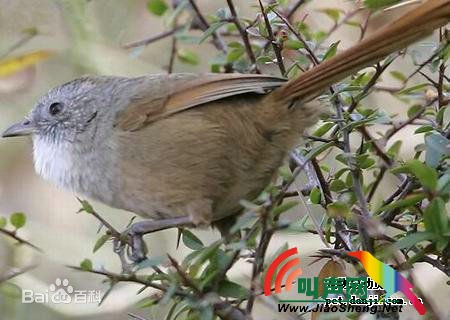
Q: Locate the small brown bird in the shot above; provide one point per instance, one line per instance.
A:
(186, 148)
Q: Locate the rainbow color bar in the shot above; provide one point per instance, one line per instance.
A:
(387, 278)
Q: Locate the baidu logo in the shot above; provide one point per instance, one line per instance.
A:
(61, 292)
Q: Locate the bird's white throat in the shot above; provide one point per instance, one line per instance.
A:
(72, 167)
(53, 161)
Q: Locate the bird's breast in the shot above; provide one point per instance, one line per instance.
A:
(86, 173)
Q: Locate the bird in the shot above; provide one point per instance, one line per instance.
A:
(184, 149)
(386, 277)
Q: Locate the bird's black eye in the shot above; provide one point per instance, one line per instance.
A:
(55, 108)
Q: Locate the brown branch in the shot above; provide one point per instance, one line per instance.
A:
(217, 39)
(294, 8)
(337, 25)
(365, 25)
(275, 46)
(312, 55)
(244, 35)
(367, 242)
(258, 261)
(379, 69)
(173, 54)
(146, 42)
(13, 235)
(376, 183)
(184, 277)
(403, 124)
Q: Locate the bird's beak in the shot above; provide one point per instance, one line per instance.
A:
(23, 128)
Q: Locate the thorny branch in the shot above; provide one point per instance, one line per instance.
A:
(13, 235)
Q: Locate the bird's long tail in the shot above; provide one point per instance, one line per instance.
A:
(411, 27)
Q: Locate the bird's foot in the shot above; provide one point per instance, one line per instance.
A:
(132, 245)
(136, 248)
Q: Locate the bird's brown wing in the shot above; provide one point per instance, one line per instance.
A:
(187, 91)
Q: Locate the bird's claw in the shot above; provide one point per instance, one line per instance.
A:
(131, 249)
(136, 249)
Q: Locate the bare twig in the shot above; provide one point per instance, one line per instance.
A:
(13, 235)
(293, 8)
(136, 317)
(365, 25)
(29, 34)
(244, 35)
(337, 25)
(146, 42)
(379, 69)
(173, 54)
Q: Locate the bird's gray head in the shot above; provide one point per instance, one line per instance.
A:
(68, 111)
(69, 126)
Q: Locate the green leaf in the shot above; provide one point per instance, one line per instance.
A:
(293, 44)
(212, 28)
(157, 7)
(379, 4)
(3, 222)
(394, 150)
(18, 219)
(353, 23)
(319, 149)
(444, 183)
(191, 241)
(364, 161)
(436, 147)
(315, 195)
(440, 115)
(441, 243)
(413, 89)
(264, 59)
(332, 13)
(147, 302)
(230, 289)
(435, 217)
(407, 202)
(414, 110)
(338, 209)
(235, 54)
(331, 52)
(337, 185)
(101, 241)
(244, 221)
(188, 57)
(284, 207)
(427, 176)
(411, 239)
(423, 129)
(323, 129)
(85, 206)
(86, 265)
(398, 75)
(151, 262)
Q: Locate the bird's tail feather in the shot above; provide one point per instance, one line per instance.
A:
(411, 27)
